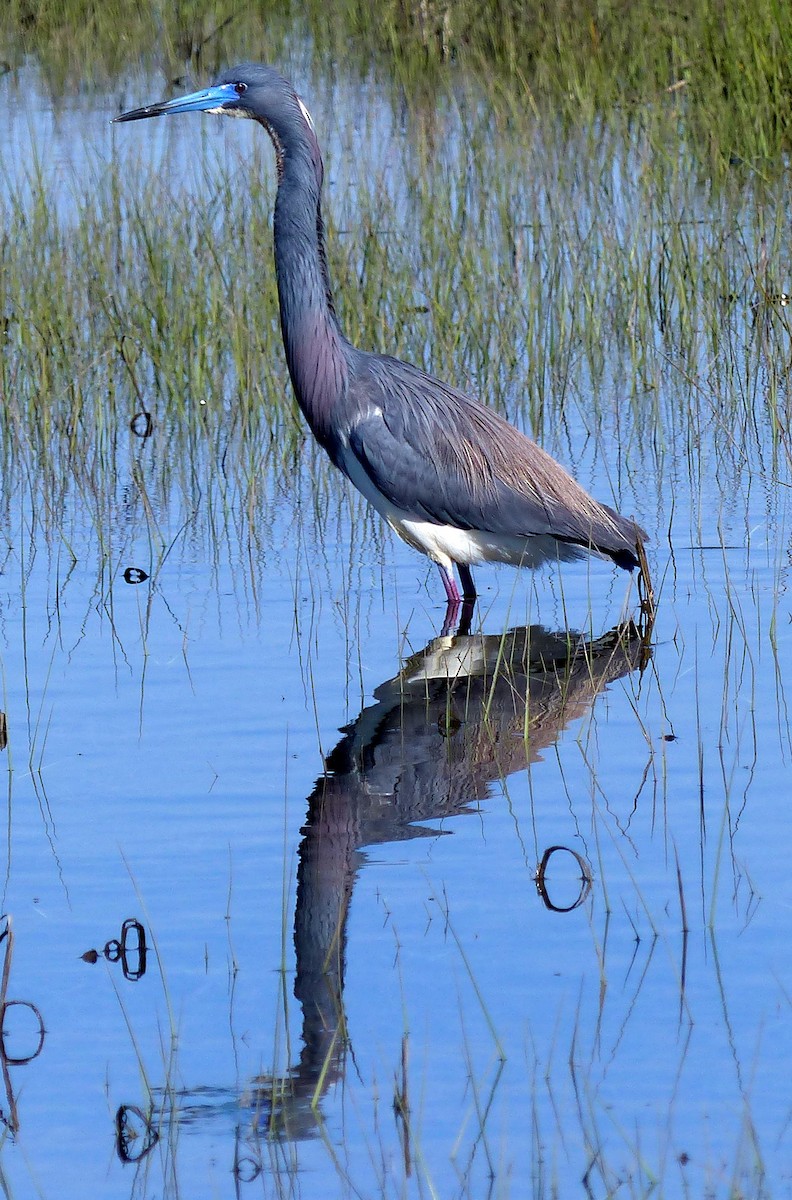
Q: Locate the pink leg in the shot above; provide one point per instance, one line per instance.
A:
(449, 583)
(454, 600)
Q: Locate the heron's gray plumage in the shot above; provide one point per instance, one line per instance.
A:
(434, 451)
(450, 475)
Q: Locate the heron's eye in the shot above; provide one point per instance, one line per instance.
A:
(240, 88)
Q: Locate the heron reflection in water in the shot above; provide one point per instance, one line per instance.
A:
(463, 713)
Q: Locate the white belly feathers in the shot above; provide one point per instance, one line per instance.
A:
(445, 544)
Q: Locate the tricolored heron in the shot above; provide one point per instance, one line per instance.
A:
(449, 475)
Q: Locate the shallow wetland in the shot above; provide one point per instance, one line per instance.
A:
(503, 914)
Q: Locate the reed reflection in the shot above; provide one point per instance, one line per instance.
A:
(464, 712)
(31, 1032)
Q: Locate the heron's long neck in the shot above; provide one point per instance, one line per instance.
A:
(311, 336)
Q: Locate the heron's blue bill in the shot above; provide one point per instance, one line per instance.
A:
(209, 99)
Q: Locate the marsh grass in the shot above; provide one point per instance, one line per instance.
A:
(725, 67)
(479, 246)
(569, 1076)
(576, 249)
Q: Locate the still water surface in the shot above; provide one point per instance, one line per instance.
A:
(353, 984)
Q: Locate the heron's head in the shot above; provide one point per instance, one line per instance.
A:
(247, 90)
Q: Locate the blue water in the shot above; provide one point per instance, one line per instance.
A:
(166, 748)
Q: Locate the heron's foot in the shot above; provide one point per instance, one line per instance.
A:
(463, 609)
(466, 602)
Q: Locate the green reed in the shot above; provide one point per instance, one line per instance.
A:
(582, 279)
(727, 63)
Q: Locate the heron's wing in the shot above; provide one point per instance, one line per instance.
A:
(443, 457)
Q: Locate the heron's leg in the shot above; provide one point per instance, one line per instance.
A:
(454, 600)
(468, 586)
(449, 583)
